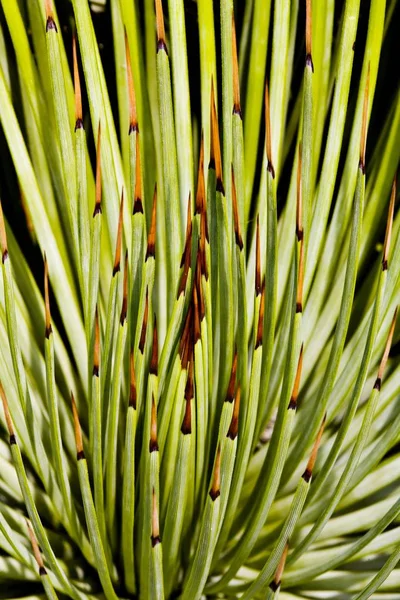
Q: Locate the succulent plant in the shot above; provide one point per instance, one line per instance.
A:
(202, 398)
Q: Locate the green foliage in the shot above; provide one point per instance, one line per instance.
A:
(235, 379)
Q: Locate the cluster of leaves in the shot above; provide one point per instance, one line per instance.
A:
(217, 413)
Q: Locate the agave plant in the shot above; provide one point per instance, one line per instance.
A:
(202, 399)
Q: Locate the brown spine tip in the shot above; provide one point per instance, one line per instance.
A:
(215, 150)
(237, 110)
(78, 431)
(260, 320)
(185, 334)
(309, 61)
(35, 548)
(3, 236)
(201, 188)
(313, 456)
(234, 426)
(389, 226)
(138, 204)
(196, 315)
(77, 87)
(118, 244)
(276, 582)
(258, 259)
(124, 307)
(96, 348)
(296, 386)
(28, 216)
(133, 122)
(97, 206)
(153, 445)
(230, 393)
(268, 138)
(200, 296)
(189, 387)
(386, 351)
(203, 239)
(161, 43)
(215, 490)
(50, 22)
(189, 216)
(186, 267)
(188, 351)
(48, 328)
(364, 124)
(188, 231)
(7, 415)
(155, 525)
(238, 235)
(151, 240)
(36, 551)
(201, 198)
(300, 280)
(378, 384)
(132, 383)
(186, 427)
(154, 354)
(51, 25)
(142, 340)
(299, 199)
(79, 124)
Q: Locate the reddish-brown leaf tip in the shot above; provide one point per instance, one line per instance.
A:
(3, 236)
(386, 351)
(7, 415)
(309, 61)
(259, 335)
(389, 226)
(48, 328)
(155, 526)
(215, 150)
(299, 199)
(118, 244)
(124, 307)
(258, 259)
(96, 347)
(132, 382)
(234, 426)
(133, 122)
(161, 39)
(313, 456)
(230, 393)
(50, 22)
(237, 110)
(77, 429)
(97, 206)
(142, 340)
(236, 221)
(296, 386)
(151, 239)
(215, 490)
(300, 280)
(154, 354)
(137, 204)
(276, 582)
(153, 445)
(77, 87)
(200, 192)
(268, 137)
(364, 124)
